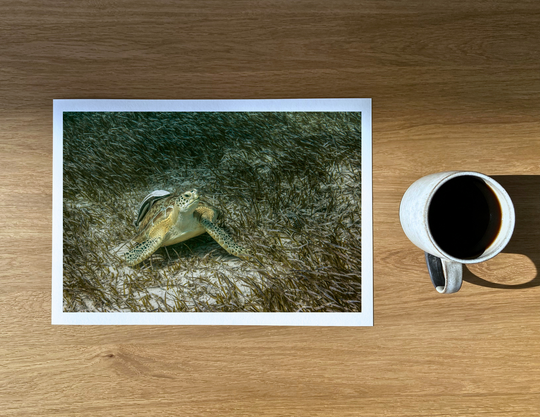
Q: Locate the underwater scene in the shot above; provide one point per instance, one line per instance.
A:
(248, 212)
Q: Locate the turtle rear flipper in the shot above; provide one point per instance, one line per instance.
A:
(143, 250)
(223, 238)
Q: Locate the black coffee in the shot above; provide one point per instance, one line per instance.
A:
(464, 217)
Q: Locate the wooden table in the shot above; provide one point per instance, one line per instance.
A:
(455, 86)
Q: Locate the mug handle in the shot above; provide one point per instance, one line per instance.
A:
(446, 276)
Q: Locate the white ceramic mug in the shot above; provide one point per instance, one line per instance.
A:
(445, 268)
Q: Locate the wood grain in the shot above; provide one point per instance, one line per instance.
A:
(454, 86)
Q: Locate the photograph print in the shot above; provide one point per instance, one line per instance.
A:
(212, 212)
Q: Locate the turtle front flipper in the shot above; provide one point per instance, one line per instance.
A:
(143, 250)
(223, 238)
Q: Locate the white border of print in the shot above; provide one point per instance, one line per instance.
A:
(365, 318)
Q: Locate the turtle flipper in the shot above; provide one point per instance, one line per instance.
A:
(143, 250)
(223, 238)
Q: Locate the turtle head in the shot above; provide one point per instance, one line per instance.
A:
(188, 201)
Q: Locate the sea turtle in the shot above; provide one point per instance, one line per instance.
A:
(165, 219)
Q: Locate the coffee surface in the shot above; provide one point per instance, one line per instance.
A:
(464, 217)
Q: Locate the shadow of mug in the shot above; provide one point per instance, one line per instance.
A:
(524, 190)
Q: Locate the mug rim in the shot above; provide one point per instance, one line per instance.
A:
(497, 245)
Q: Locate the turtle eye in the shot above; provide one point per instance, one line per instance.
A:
(186, 195)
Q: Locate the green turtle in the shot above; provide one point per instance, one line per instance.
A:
(165, 219)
